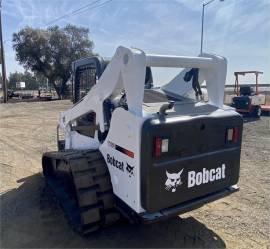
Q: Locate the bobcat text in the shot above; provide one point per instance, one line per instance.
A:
(205, 176)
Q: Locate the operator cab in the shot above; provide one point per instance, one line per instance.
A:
(87, 71)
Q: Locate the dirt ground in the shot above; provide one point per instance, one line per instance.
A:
(31, 219)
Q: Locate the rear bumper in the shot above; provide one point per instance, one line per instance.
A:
(186, 206)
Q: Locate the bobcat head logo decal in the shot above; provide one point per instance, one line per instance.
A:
(173, 181)
(130, 170)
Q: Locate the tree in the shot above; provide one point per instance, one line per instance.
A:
(50, 52)
(31, 81)
(1, 81)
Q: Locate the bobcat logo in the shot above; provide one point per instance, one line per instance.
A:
(130, 170)
(173, 181)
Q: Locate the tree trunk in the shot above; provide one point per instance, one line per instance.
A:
(57, 89)
(64, 88)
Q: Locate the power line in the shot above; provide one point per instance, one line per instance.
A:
(97, 6)
(80, 10)
(73, 12)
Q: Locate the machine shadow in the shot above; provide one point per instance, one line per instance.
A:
(33, 215)
(173, 233)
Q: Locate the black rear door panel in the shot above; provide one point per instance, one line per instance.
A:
(196, 144)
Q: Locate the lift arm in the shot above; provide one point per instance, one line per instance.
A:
(126, 71)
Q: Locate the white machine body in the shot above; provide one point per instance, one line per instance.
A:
(126, 72)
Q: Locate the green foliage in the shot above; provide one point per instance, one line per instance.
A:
(1, 79)
(50, 52)
(32, 82)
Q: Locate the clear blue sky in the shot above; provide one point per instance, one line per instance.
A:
(236, 29)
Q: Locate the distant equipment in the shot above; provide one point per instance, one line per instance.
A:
(20, 85)
(249, 101)
(45, 95)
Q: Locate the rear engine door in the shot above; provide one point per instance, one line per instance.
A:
(183, 158)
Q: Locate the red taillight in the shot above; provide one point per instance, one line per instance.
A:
(235, 134)
(157, 147)
(232, 135)
(161, 145)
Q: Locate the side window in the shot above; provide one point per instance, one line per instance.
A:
(86, 125)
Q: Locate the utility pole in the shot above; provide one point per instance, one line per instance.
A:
(4, 85)
(203, 6)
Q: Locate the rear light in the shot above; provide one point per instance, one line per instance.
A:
(235, 134)
(157, 147)
(165, 145)
(161, 145)
(232, 135)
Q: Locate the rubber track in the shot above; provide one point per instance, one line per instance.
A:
(92, 207)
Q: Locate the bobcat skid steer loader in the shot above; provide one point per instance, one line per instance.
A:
(142, 152)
